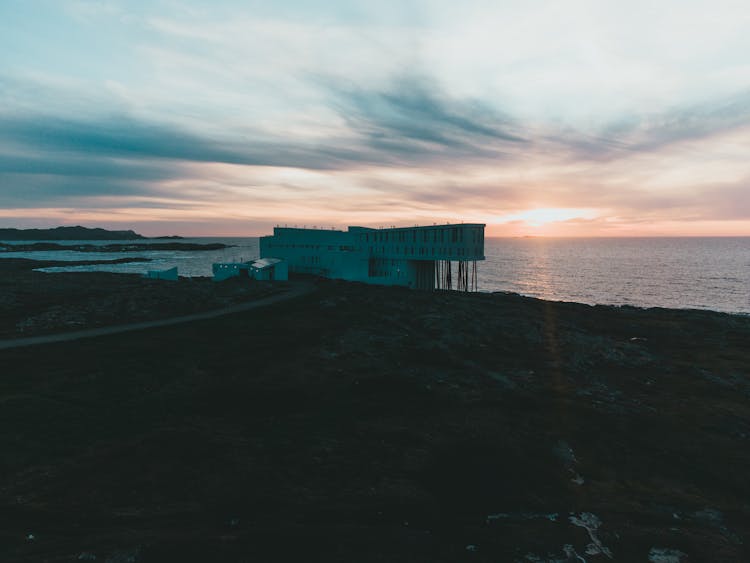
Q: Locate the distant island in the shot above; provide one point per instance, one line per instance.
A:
(117, 247)
(72, 233)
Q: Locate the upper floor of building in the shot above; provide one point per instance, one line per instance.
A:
(459, 242)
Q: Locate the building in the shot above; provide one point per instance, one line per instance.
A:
(268, 269)
(418, 257)
(225, 270)
(170, 274)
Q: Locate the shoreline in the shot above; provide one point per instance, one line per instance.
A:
(39, 303)
(607, 276)
(34, 303)
(366, 423)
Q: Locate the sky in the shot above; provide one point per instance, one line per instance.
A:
(538, 118)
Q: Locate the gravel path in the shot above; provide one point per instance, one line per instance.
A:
(296, 290)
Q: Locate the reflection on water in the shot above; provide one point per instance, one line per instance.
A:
(712, 273)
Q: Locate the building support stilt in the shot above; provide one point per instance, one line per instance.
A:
(466, 278)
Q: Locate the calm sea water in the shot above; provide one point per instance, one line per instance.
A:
(701, 273)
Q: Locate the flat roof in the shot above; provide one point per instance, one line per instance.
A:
(436, 226)
(356, 228)
(265, 263)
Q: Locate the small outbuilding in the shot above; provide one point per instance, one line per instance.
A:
(268, 269)
(224, 271)
(170, 274)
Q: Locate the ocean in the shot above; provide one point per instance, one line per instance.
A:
(695, 273)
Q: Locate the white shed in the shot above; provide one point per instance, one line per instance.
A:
(270, 269)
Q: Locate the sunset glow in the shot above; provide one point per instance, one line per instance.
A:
(540, 217)
(173, 117)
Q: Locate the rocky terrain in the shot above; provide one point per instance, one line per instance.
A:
(34, 303)
(373, 424)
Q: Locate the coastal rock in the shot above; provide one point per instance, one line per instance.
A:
(133, 247)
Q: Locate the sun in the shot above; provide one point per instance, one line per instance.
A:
(544, 215)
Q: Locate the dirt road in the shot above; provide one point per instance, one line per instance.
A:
(296, 290)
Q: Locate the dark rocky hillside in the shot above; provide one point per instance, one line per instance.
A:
(376, 424)
(35, 303)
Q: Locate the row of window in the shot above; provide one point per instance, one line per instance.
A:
(456, 234)
(405, 250)
(409, 250)
(315, 246)
(378, 268)
(342, 247)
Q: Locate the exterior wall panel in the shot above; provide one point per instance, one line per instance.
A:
(395, 256)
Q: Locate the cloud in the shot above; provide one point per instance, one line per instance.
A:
(415, 119)
(44, 190)
(80, 166)
(125, 136)
(406, 148)
(651, 133)
(411, 124)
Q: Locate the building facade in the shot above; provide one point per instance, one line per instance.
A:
(428, 257)
(268, 269)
